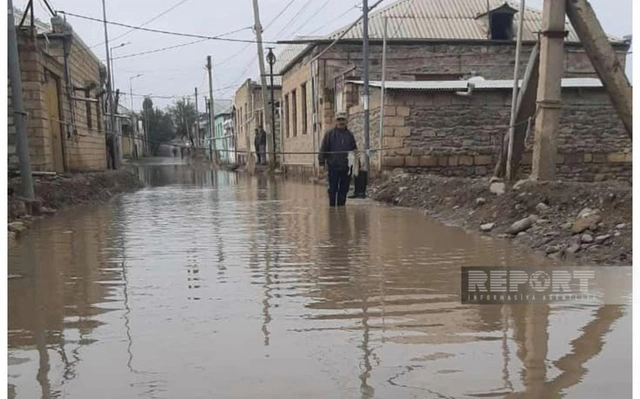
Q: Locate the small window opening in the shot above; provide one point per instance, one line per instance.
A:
(501, 26)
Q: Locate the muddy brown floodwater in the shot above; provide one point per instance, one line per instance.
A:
(211, 285)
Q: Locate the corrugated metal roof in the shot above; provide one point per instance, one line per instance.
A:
(479, 84)
(445, 20)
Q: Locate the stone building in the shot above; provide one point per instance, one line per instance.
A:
(428, 40)
(249, 115)
(62, 84)
(440, 127)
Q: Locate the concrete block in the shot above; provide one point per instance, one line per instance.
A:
(465, 160)
(615, 157)
(389, 110)
(628, 157)
(394, 121)
(443, 161)
(403, 111)
(482, 159)
(453, 160)
(428, 160)
(402, 131)
(392, 142)
(599, 158)
(412, 161)
(588, 158)
(388, 132)
(403, 151)
(393, 161)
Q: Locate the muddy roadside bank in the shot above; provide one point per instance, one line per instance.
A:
(56, 192)
(579, 223)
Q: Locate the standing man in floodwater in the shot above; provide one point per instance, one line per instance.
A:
(334, 151)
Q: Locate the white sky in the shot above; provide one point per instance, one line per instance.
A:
(177, 72)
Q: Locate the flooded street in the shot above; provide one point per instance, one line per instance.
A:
(213, 285)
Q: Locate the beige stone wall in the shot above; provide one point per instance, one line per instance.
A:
(248, 115)
(297, 140)
(83, 145)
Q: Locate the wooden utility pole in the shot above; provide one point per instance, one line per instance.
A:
(22, 142)
(212, 144)
(382, 93)
(549, 90)
(603, 57)
(263, 82)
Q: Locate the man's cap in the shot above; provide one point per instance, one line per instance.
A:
(341, 115)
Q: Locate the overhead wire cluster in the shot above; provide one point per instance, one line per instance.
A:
(200, 38)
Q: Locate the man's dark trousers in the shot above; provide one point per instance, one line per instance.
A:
(338, 186)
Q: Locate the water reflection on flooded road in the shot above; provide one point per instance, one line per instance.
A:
(210, 285)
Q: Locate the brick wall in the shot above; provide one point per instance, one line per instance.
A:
(440, 132)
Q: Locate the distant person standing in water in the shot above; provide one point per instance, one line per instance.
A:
(336, 145)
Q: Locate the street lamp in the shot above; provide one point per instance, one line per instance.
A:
(271, 59)
(113, 79)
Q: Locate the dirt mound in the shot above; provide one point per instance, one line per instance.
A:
(583, 223)
(56, 191)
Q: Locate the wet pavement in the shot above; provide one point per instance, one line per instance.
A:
(213, 285)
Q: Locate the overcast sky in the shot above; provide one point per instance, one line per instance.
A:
(178, 71)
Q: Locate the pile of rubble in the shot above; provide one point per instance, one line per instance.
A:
(579, 223)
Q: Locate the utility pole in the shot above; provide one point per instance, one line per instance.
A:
(549, 90)
(604, 59)
(263, 82)
(110, 106)
(197, 120)
(212, 142)
(382, 93)
(514, 94)
(271, 59)
(365, 54)
(22, 142)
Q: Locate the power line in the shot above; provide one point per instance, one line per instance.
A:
(177, 45)
(164, 32)
(353, 7)
(279, 14)
(322, 7)
(146, 23)
(304, 6)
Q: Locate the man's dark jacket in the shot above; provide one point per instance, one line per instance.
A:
(335, 148)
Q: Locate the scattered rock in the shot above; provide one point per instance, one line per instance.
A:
(621, 226)
(567, 226)
(17, 227)
(521, 225)
(487, 227)
(480, 201)
(542, 221)
(586, 220)
(401, 189)
(521, 234)
(602, 238)
(497, 188)
(456, 207)
(586, 238)
(519, 184)
(573, 248)
(542, 207)
(504, 236)
(552, 249)
(616, 234)
(556, 255)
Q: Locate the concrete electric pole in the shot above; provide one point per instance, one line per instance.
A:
(22, 142)
(212, 143)
(263, 82)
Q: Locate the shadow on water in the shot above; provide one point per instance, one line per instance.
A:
(210, 284)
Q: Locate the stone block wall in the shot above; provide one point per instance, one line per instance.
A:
(83, 145)
(443, 133)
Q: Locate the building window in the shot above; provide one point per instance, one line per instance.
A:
(294, 113)
(501, 23)
(286, 115)
(87, 95)
(303, 107)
